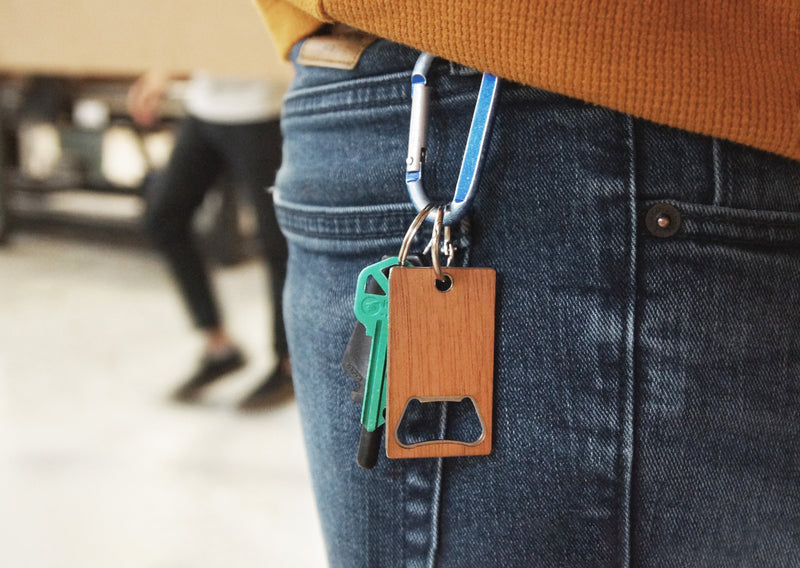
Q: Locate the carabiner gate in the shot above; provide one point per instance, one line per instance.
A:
(474, 153)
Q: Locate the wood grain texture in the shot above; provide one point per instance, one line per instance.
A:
(441, 348)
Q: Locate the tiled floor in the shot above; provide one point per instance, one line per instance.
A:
(97, 467)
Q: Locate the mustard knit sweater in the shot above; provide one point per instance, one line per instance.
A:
(726, 68)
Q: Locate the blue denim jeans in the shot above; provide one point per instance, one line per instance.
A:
(647, 379)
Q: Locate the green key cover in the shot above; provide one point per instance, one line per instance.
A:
(372, 310)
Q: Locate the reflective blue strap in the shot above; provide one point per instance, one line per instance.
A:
(475, 151)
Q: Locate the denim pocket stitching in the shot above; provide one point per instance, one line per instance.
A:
(353, 94)
(344, 229)
(734, 225)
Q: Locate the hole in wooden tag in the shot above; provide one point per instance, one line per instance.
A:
(445, 284)
(455, 421)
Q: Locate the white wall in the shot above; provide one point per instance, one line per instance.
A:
(107, 37)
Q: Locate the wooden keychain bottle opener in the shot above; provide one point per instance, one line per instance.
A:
(441, 320)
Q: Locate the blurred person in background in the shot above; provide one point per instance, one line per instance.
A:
(231, 126)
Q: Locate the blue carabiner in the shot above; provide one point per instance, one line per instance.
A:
(477, 141)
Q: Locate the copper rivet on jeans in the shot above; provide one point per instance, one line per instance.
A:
(663, 220)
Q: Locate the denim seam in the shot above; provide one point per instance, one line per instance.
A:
(336, 88)
(762, 235)
(340, 217)
(356, 108)
(731, 215)
(398, 101)
(730, 241)
(732, 227)
(403, 520)
(716, 218)
(437, 495)
(390, 96)
(355, 226)
(363, 235)
(435, 505)
(626, 545)
(717, 166)
(416, 517)
(305, 209)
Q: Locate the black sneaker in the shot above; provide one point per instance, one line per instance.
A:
(211, 369)
(275, 389)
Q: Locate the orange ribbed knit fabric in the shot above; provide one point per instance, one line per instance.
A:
(729, 69)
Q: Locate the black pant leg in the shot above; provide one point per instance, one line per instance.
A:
(253, 152)
(173, 198)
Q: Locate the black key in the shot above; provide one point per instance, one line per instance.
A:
(369, 445)
(356, 360)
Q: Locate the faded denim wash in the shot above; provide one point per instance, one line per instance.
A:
(647, 388)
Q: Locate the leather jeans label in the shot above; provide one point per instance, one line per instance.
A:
(339, 50)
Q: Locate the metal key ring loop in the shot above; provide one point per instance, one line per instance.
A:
(474, 152)
(405, 246)
(437, 232)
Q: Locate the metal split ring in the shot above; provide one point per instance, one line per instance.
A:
(405, 246)
(437, 232)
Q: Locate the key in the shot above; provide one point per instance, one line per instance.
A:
(355, 359)
(359, 353)
(372, 311)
